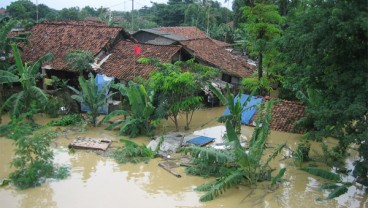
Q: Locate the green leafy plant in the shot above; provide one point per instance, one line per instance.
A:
(79, 60)
(140, 114)
(169, 82)
(301, 153)
(246, 166)
(91, 96)
(134, 153)
(34, 161)
(31, 97)
(67, 120)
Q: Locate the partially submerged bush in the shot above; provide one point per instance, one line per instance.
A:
(134, 153)
(34, 161)
(68, 120)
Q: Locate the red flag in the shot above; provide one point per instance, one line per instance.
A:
(137, 49)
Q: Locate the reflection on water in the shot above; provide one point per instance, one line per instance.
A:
(98, 181)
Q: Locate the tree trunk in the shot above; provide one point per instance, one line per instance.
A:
(260, 68)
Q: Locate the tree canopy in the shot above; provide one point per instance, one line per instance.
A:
(325, 54)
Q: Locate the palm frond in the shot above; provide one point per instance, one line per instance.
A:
(275, 153)
(278, 176)
(18, 60)
(115, 113)
(337, 192)
(221, 185)
(7, 77)
(38, 94)
(326, 174)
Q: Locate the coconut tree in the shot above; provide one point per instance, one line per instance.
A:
(30, 99)
(91, 96)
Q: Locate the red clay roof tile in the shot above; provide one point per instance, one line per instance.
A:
(218, 57)
(284, 116)
(59, 37)
(121, 63)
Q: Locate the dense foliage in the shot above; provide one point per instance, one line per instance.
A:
(177, 87)
(325, 54)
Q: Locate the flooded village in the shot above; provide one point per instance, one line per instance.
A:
(99, 112)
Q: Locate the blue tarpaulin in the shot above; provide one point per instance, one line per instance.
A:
(201, 140)
(250, 107)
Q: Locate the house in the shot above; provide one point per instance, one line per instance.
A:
(60, 37)
(122, 64)
(196, 44)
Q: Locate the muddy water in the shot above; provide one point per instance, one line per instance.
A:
(98, 181)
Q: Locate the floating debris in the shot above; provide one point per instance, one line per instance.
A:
(90, 143)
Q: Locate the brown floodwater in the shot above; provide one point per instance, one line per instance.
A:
(98, 181)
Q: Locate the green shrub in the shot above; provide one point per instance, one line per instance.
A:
(34, 161)
(68, 120)
(134, 153)
(53, 106)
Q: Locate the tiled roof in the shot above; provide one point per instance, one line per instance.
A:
(218, 57)
(285, 114)
(121, 63)
(59, 37)
(191, 33)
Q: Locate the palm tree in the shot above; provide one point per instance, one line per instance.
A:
(30, 97)
(91, 96)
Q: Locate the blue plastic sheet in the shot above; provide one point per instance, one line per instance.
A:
(200, 140)
(250, 108)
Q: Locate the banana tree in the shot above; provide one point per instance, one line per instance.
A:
(6, 77)
(140, 114)
(91, 96)
(236, 108)
(30, 99)
(244, 167)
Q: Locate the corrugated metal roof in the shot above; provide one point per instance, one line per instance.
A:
(165, 34)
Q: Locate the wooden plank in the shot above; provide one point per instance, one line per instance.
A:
(169, 170)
